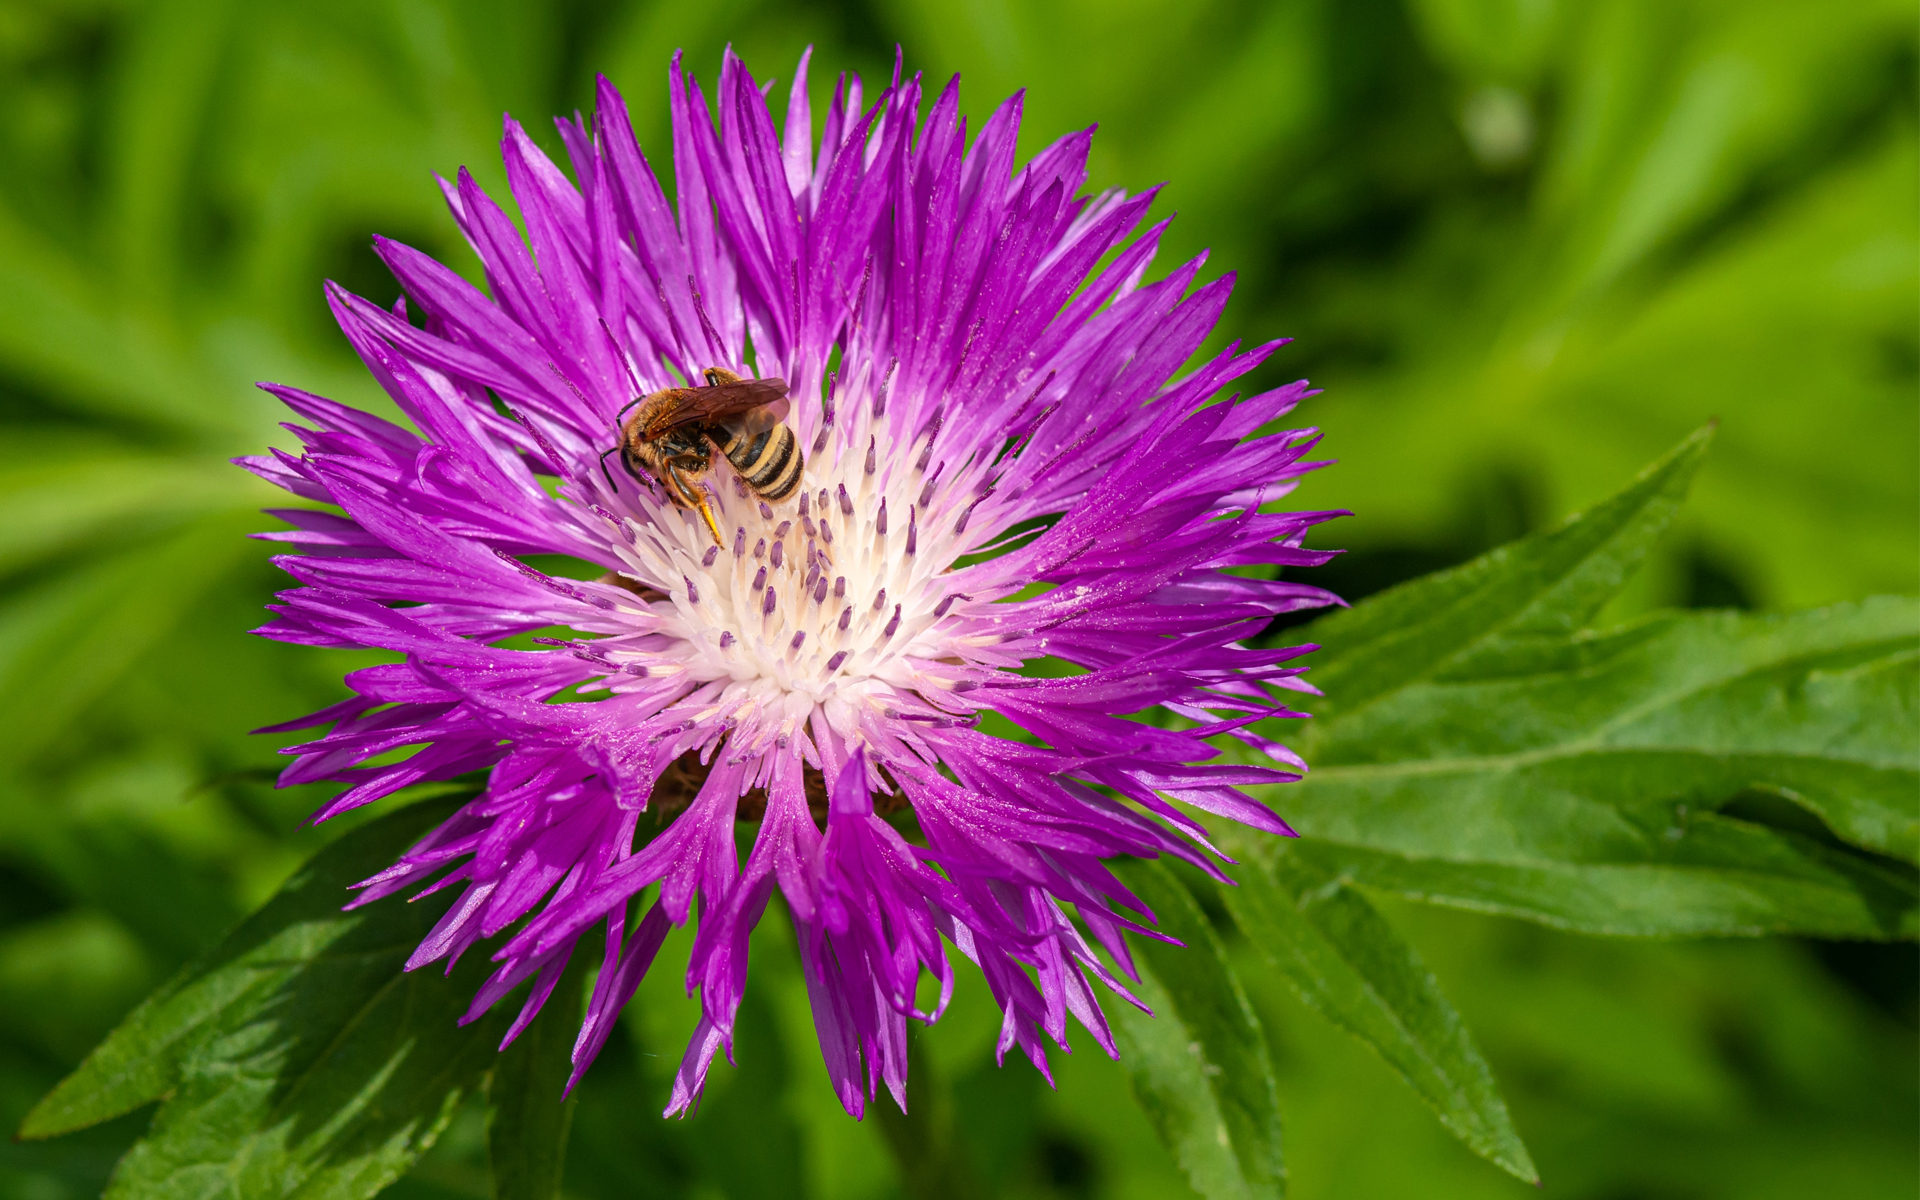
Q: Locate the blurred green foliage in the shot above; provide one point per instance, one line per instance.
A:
(1525, 245)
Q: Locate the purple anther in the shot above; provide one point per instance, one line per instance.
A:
(846, 502)
(739, 487)
(839, 586)
(846, 618)
(780, 530)
(820, 591)
(926, 493)
(766, 511)
(759, 579)
(913, 529)
(779, 553)
(880, 601)
(960, 526)
(946, 602)
(693, 593)
(893, 626)
(797, 639)
(880, 520)
(966, 685)
(713, 552)
(933, 431)
(636, 670)
(804, 499)
(740, 541)
(813, 573)
(806, 523)
(823, 501)
(760, 548)
(766, 607)
(726, 638)
(872, 462)
(826, 533)
(839, 656)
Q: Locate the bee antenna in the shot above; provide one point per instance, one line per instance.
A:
(609, 474)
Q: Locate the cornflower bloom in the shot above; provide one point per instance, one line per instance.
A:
(1003, 465)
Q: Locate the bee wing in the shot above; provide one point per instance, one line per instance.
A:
(688, 406)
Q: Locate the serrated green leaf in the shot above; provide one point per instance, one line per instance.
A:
(528, 1116)
(1199, 1065)
(1350, 965)
(1545, 585)
(296, 1057)
(1477, 747)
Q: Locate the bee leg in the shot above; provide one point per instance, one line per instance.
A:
(699, 497)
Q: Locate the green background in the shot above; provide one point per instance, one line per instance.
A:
(1524, 245)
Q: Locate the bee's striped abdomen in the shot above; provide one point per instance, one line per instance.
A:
(770, 461)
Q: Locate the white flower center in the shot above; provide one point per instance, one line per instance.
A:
(833, 592)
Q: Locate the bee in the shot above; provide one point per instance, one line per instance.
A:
(673, 434)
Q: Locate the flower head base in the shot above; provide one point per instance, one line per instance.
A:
(1001, 465)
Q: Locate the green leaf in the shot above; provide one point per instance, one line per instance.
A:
(296, 1057)
(1478, 747)
(527, 1116)
(1199, 1065)
(1347, 963)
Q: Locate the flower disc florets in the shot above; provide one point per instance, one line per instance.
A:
(1003, 465)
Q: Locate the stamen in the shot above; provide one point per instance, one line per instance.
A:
(933, 431)
(712, 553)
(760, 548)
(740, 542)
(846, 617)
(839, 586)
(871, 462)
(880, 601)
(926, 493)
(893, 626)
(797, 639)
(781, 531)
(820, 591)
(940, 609)
(960, 526)
(726, 638)
(913, 528)
(823, 501)
(880, 521)
(766, 511)
(846, 501)
(766, 609)
(880, 397)
(779, 553)
(826, 534)
(759, 579)
(839, 656)
(804, 500)
(826, 424)
(693, 593)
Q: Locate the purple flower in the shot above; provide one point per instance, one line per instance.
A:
(1003, 463)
